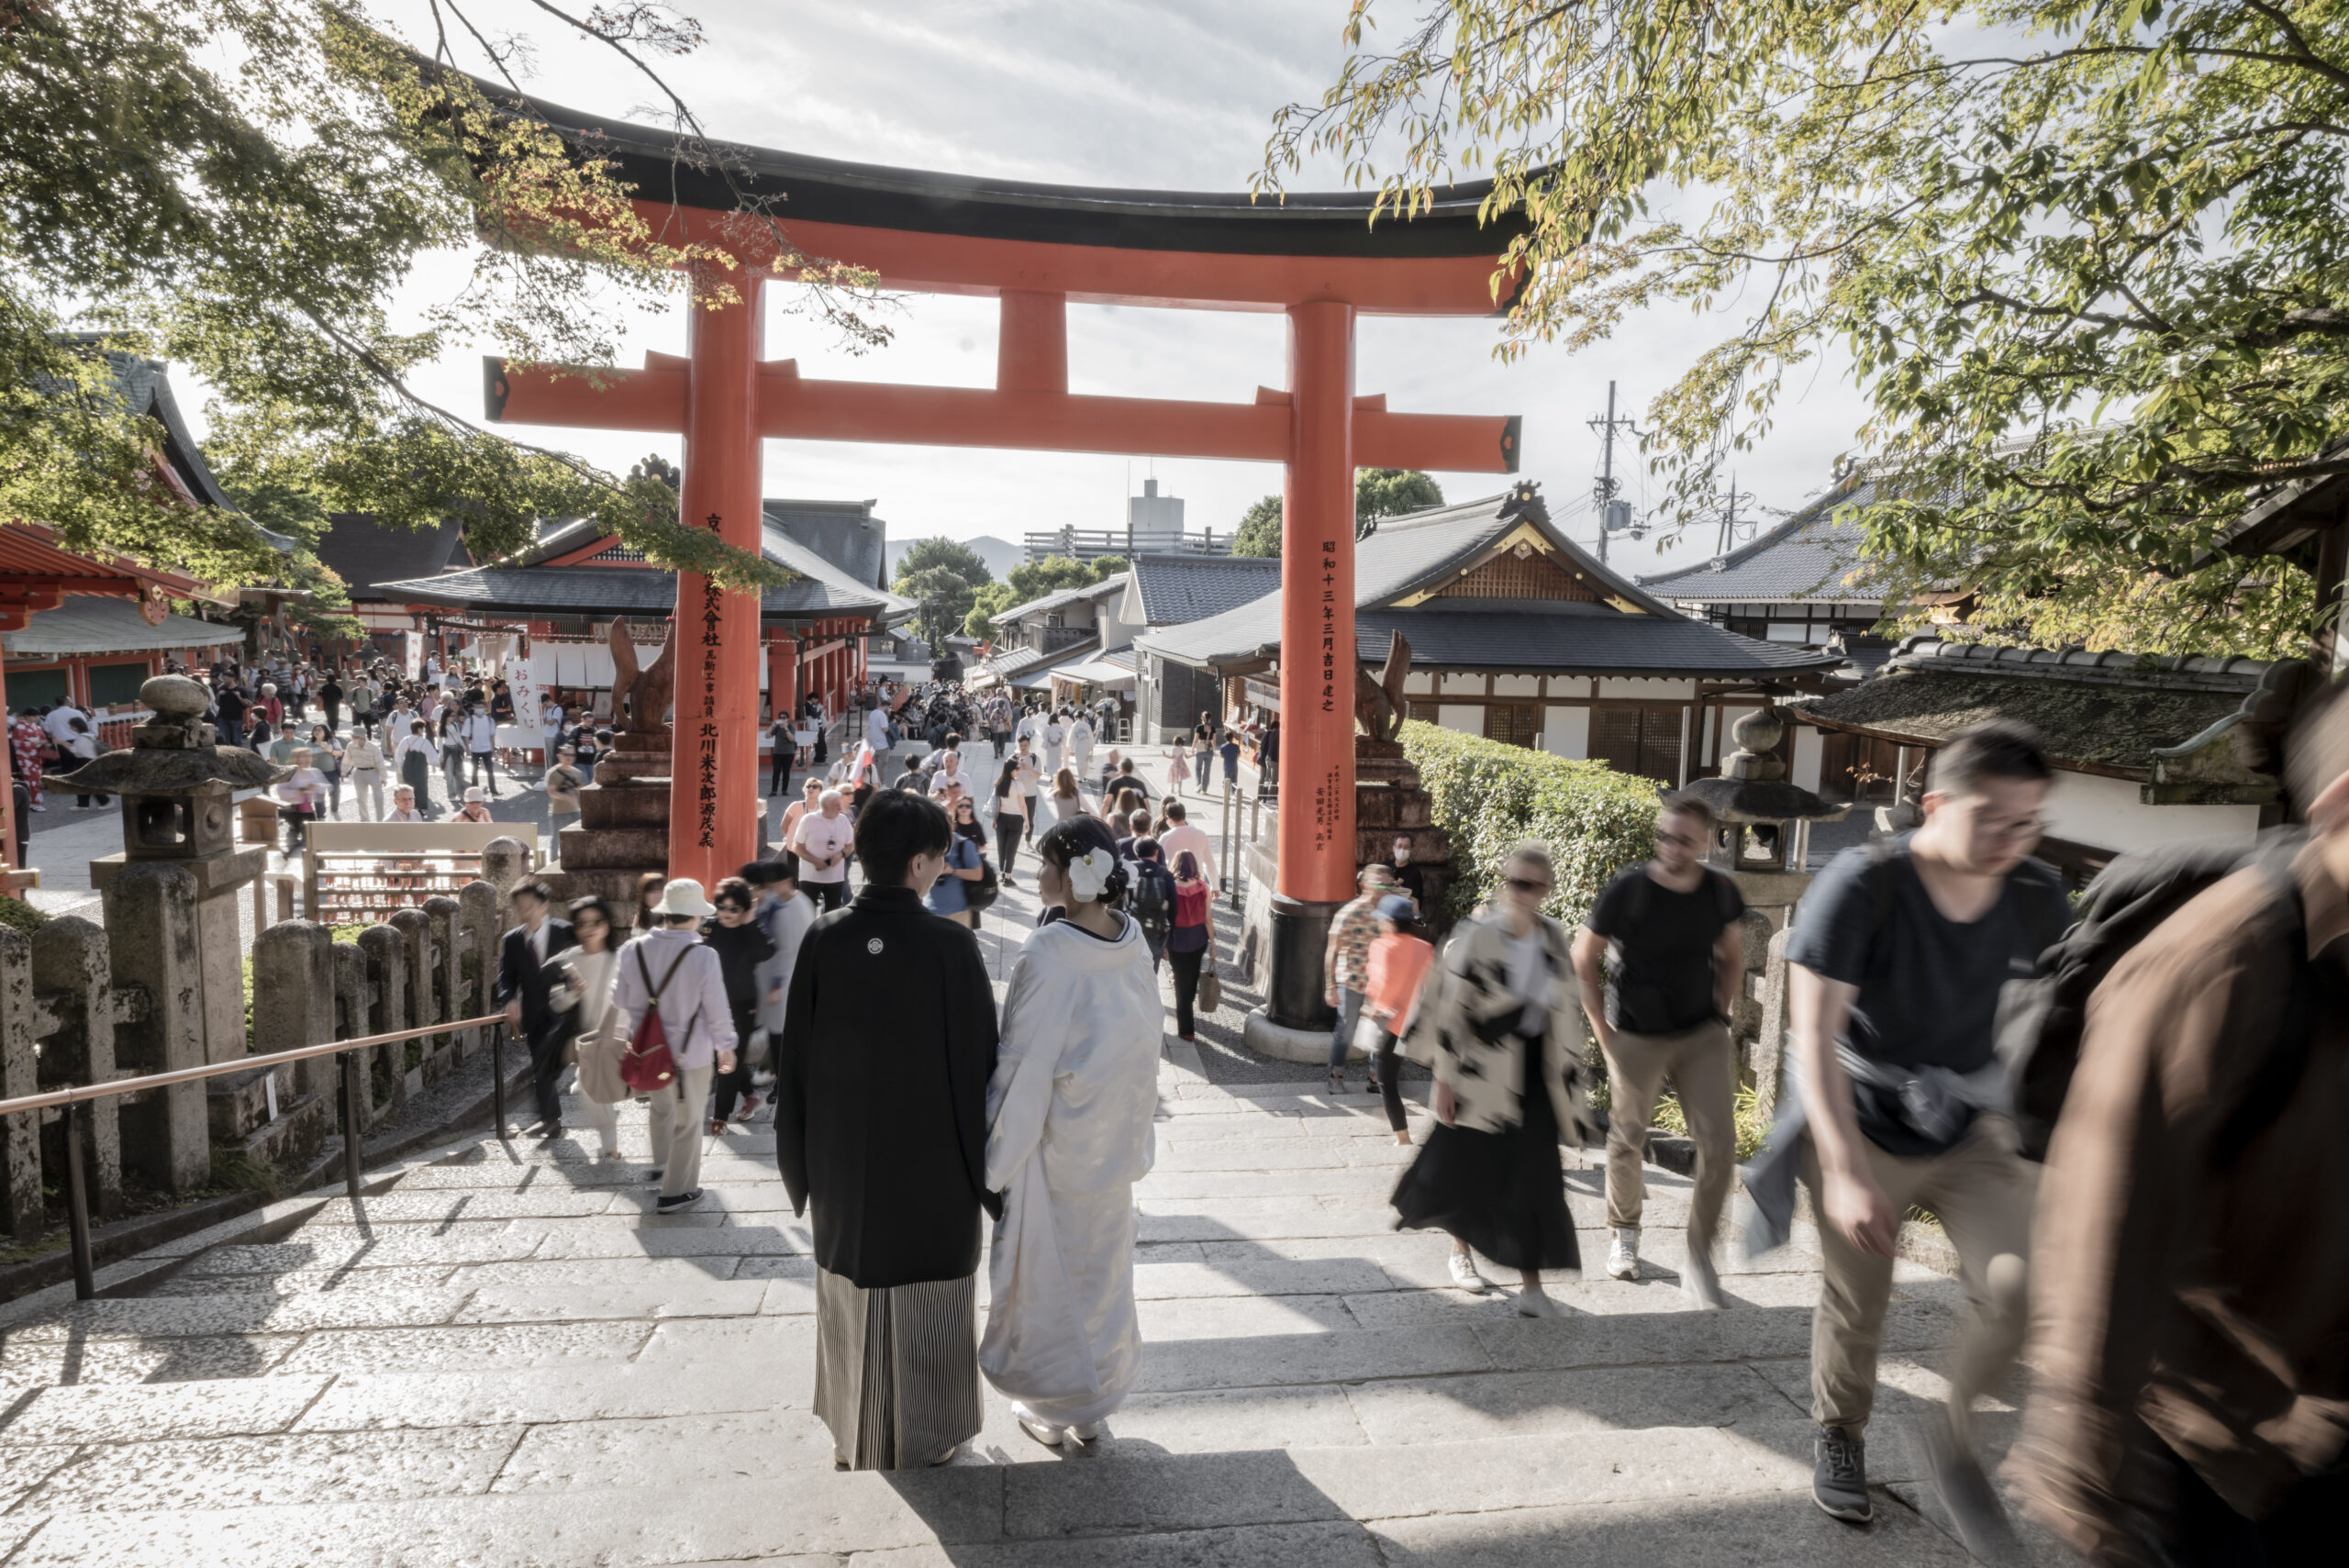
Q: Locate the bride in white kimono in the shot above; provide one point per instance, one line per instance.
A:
(1068, 1111)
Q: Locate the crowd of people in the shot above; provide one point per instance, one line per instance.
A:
(2167, 1236)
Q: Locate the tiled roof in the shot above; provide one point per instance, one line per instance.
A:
(1810, 556)
(363, 552)
(1113, 584)
(1022, 661)
(1178, 589)
(1559, 638)
(88, 624)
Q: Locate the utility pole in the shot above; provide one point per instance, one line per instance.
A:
(1604, 492)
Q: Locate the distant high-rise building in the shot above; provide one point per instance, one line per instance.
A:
(1153, 527)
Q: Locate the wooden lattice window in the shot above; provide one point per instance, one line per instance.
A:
(1634, 738)
(1513, 723)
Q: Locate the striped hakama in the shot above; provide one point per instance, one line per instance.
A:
(896, 1370)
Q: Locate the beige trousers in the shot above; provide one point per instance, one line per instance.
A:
(677, 1127)
(1981, 1191)
(1702, 1065)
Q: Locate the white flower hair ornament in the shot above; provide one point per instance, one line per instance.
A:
(1089, 873)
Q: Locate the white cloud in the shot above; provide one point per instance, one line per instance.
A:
(1112, 93)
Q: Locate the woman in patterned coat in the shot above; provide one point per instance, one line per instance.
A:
(1500, 1025)
(26, 743)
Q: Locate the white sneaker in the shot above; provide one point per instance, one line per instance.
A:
(1464, 1274)
(1536, 1303)
(1623, 1255)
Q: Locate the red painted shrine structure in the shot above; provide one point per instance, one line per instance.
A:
(1318, 259)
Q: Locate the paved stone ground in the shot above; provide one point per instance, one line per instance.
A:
(503, 1357)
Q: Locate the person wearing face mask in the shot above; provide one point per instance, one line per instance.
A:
(582, 994)
(1500, 1025)
(1412, 879)
(743, 946)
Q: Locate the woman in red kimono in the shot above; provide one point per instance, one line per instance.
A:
(27, 743)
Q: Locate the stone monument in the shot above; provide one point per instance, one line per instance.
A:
(623, 828)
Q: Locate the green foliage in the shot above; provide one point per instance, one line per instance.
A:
(1378, 492)
(235, 1171)
(1488, 796)
(952, 555)
(1034, 579)
(991, 600)
(945, 598)
(2090, 262)
(20, 916)
(244, 186)
(1260, 529)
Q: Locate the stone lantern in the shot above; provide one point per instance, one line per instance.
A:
(1762, 841)
(176, 785)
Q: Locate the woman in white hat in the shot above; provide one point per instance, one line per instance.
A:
(476, 807)
(668, 968)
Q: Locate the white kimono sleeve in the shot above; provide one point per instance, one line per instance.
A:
(1027, 1058)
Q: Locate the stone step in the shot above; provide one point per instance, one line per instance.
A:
(673, 1491)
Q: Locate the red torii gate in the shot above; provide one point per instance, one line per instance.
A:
(1035, 247)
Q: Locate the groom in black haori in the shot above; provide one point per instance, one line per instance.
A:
(880, 1120)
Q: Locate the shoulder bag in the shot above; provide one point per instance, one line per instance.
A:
(1211, 984)
(648, 1063)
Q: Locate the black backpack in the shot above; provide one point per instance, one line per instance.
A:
(2040, 1021)
(1152, 905)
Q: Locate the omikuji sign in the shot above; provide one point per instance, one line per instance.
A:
(1317, 258)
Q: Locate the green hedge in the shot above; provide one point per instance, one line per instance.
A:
(1488, 795)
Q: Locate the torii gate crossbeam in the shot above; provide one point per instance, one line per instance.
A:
(1318, 259)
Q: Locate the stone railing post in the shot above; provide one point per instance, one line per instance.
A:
(293, 1002)
(154, 941)
(351, 1010)
(72, 975)
(1770, 1046)
(477, 902)
(19, 1068)
(385, 951)
(442, 910)
(415, 937)
(504, 863)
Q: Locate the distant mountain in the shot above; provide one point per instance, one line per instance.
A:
(1000, 556)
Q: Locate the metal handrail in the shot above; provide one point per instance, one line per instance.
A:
(42, 1101)
(67, 1101)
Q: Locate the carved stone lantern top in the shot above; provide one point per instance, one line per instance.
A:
(175, 779)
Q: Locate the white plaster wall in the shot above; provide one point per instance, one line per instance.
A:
(2090, 808)
(1463, 685)
(1565, 732)
(1467, 720)
(1517, 685)
(1646, 688)
(1811, 750)
(1419, 682)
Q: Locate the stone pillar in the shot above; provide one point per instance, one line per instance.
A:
(504, 863)
(72, 973)
(442, 910)
(154, 939)
(416, 941)
(1770, 1046)
(385, 951)
(715, 755)
(19, 1074)
(477, 902)
(293, 970)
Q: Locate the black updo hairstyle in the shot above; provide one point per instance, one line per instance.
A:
(1072, 837)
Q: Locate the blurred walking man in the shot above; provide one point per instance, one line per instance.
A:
(2191, 1277)
(1898, 957)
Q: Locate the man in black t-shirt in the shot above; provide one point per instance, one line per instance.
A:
(1898, 955)
(1414, 879)
(1669, 928)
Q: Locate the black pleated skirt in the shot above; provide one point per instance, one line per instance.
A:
(1503, 1193)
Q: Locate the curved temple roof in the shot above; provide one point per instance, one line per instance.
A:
(874, 195)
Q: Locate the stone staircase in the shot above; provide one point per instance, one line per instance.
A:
(506, 1358)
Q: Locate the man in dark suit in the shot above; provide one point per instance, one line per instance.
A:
(523, 979)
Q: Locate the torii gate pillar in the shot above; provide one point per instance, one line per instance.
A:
(714, 814)
(1315, 823)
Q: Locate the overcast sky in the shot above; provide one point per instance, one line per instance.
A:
(1176, 95)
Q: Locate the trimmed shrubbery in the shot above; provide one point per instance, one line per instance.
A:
(1487, 795)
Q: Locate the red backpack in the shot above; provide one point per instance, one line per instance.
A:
(648, 1063)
